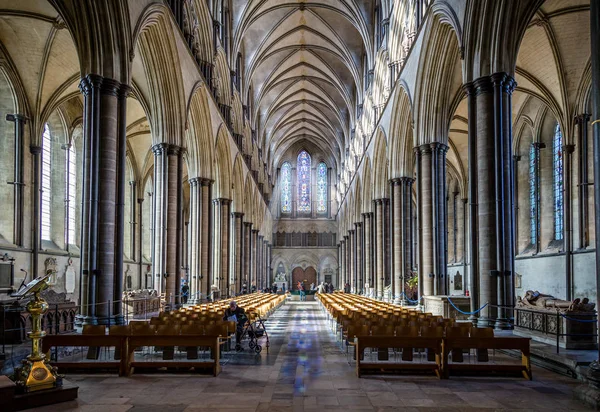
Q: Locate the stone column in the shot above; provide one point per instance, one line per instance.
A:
(194, 244)
(492, 136)
(568, 150)
(260, 284)
(246, 254)
(396, 188)
(205, 237)
(36, 154)
(17, 182)
(368, 252)
(342, 280)
(103, 190)
(425, 206)
(140, 235)
(379, 249)
(360, 283)
(347, 254)
(238, 244)
(225, 246)
(439, 207)
(173, 215)
(254, 259)
(353, 285)
(584, 220)
(159, 215)
(387, 252)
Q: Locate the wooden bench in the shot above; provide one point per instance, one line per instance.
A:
(460, 343)
(126, 344)
(363, 342)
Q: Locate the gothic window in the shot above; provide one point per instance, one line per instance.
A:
(322, 188)
(533, 194)
(71, 168)
(46, 183)
(303, 169)
(558, 182)
(286, 188)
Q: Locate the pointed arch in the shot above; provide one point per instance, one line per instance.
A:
(198, 135)
(222, 165)
(401, 136)
(380, 162)
(238, 185)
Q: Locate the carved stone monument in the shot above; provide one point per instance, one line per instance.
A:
(542, 317)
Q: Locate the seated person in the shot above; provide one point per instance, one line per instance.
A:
(237, 314)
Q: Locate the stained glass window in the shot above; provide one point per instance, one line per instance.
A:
(533, 193)
(71, 191)
(46, 182)
(286, 188)
(303, 169)
(322, 188)
(558, 183)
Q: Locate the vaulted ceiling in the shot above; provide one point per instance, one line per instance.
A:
(304, 70)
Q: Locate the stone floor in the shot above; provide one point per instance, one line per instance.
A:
(305, 370)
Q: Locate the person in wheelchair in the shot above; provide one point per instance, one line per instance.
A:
(237, 314)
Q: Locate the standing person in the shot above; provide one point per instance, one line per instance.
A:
(347, 288)
(185, 291)
(331, 288)
(302, 293)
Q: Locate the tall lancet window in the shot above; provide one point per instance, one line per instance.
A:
(322, 188)
(46, 183)
(558, 183)
(286, 188)
(533, 193)
(303, 168)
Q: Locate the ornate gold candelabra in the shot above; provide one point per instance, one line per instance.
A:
(36, 373)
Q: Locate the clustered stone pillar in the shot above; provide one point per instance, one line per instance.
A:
(387, 251)
(194, 240)
(238, 246)
(353, 286)
(431, 175)
(379, 249)
(401, 191)
(102, 214)
(17, 182)
(490, 142)
(342, 263)
(254, 259)
(221, 234)
(168, 219)
(368, 251)
(359, 258)
(205, 238)
(584, 220)
(260, 284)
(246, 254)
(347, 254)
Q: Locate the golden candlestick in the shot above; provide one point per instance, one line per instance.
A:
(36, 373)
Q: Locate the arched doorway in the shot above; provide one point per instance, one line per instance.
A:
(308, 276)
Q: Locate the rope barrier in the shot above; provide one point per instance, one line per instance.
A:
(410, 300)
(579, 320)
(466, 313)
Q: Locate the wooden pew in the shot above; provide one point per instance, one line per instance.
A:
(362, 342)
(522, 344)
(51, 341)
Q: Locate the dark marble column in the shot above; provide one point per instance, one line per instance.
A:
(260, 279)
(342, 280)
(439, 206)
(379, 249)
(17, 182)
(205, 217)
(246, 254)
(172, 212)
(254, 259)
(347, 254)
(568, 218)
(584, 218)
(360, 283)
(194, 241)
(222, 232)
(368, 252)
(396, 204)
(352, 234)
(387, 251)
(238, 245)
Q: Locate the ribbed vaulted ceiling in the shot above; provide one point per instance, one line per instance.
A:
(304, 69)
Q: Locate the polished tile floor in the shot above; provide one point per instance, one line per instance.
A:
(306, 371)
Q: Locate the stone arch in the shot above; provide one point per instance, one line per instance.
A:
(358, 200)
(380, 162)
(221, 79)
(238, 185)
(401, 136)
(198, 135)
(222, 165)
(367, 194)
(438, 81)
(159, 57)
(248, 200)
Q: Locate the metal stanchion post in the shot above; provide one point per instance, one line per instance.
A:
(557, 331)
